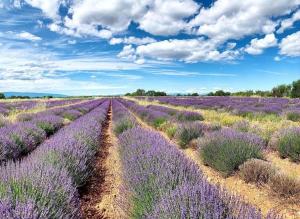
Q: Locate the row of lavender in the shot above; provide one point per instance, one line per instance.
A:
(44, 184)
(7, 107)
(161, 183)
(20, 138)
(238, 105)
(229, 150)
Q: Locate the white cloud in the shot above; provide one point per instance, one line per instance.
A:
(132, 40)
(190, 50)
(128, 52)
(212, 30)
(167, 17)
(290, 45)
(28, 36)
(234, 19)
(257, 46)
(49, 7)
(81, 31)
(190, 73)
(288, 23)
(92, 17)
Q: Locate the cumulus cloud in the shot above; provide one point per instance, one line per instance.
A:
(288, 23)
(257, 46)
(167, 17)
(50, 8)
(290, 45)
(132, 40)
(89, 17)
(212, 31)
(234, 19)
(189, 50)
(128, 52)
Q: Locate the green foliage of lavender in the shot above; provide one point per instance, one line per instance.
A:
(288, 143)
(226, 150)
(293, 116)
(189, 131)
(185, 116)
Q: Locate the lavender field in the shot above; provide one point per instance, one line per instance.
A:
(149, 109)
(144, 157)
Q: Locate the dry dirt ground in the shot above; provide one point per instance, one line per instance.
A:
(98, 197)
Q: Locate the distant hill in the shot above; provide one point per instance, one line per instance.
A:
(32, 95)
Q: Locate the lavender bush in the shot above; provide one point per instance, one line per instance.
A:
(293, 115)
(257, 171)
(162, 183)
(189, 116)
(71, 114)
(20, 138)
(43, 185)
(226, 149)
(288, 143)
(49, 123)
(188, 131)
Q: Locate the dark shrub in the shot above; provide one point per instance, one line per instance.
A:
(284, 184)
(3, 121)
(159, 121)
(49, 123)
(288, 143)
(293, 116)
(242, 126)
(189, 116)
(189, 131)
(227, 149)
(257, 171)
(169, 128)
(23, 117)
(71, 114)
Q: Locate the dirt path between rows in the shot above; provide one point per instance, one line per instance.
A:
(99, 195)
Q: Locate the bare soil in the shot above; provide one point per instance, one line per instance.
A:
(99, 184)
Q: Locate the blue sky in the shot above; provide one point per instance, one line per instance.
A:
(82, 47)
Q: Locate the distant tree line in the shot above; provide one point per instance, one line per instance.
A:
(188, 94)
(141, 92)
(283, 90)
(2, 96)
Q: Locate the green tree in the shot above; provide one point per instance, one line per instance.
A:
(281, 91)
(295, 92)
(2, 96)
(150, 93)
(139, 92)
